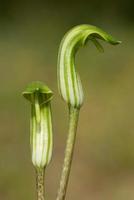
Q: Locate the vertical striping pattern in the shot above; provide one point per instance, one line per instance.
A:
(41, 135)
(69, 82)
(41, 139)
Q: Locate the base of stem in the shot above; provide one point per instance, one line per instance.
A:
(40, 184)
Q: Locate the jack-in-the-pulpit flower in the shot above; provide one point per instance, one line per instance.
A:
(41, 139)
(70, 86)
(68, 79)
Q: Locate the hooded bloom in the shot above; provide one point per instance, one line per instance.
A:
(41, 140)
(69, 82)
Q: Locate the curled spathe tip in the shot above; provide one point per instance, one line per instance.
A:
(69, 82)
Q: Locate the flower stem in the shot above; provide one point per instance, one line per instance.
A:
(40, 184)
(73, 121)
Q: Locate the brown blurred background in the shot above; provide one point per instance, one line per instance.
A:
(30, 33)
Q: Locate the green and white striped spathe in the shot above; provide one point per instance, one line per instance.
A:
(69, 82)
(41, 140)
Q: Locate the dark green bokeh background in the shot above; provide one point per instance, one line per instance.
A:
(30, 33)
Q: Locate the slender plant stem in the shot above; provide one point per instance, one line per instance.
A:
(73, 120)
(40, 184)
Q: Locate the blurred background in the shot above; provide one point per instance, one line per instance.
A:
(30, 33)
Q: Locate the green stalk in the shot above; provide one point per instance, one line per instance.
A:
(40, 184)
(73, 121)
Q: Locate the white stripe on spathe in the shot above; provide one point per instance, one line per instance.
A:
(50, 136)
(46, 136)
